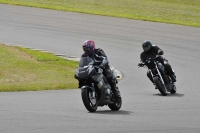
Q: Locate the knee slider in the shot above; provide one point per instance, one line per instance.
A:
(109, 77)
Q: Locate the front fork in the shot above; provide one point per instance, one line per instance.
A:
(159, 76)
(92, 88)
(93, 91)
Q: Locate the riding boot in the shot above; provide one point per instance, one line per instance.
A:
(170, 71)
(115, 89)
(173, 77)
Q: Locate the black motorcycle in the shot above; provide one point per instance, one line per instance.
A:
(95, 89)
(161, 78)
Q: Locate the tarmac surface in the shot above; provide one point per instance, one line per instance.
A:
(144, 109)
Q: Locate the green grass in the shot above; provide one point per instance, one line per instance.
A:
(23, 69)
(183, 12)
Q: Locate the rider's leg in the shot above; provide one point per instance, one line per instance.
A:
(169, 70)
(167, 67)
(108, 74)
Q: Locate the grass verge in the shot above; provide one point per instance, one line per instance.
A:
(23, 69)
(183, 12)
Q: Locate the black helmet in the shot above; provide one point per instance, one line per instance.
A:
(146, 46)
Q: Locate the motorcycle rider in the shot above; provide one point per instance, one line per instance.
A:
(154, 52)
(99, 55)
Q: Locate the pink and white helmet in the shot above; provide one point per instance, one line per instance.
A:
(88, 46)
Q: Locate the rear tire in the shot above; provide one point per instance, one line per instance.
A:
(116, 105)
(160, 86)
(173, 91)
(89, 104)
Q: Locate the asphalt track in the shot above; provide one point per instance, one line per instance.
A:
(144, 110)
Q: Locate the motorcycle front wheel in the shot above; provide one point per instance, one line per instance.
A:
(89, 102)
(160, 86)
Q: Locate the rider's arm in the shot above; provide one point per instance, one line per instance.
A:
(103, 57)
(142, 60)
(142, 57)
(158, 50)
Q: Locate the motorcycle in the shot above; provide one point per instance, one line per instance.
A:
(95, 90)
(162, 80)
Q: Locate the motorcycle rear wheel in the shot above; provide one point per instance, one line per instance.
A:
(116, 105)
(90, 105)
(173, 91)
(160, 86)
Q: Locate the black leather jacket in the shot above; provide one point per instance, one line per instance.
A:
(99, 57)
(152, 53)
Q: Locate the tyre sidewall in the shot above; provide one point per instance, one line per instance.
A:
(160, 86)
(86, 100)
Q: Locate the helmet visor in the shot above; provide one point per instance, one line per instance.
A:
(87, 50)
(146, 48)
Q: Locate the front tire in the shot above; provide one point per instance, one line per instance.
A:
(160, 86)
(89, 103)
(116, 105)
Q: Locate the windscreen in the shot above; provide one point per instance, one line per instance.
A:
(84, 61)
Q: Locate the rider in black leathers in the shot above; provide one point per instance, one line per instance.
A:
(99, 56)
(154, 52)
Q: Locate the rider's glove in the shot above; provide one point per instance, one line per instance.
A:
(160, 52)
(140, 64)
